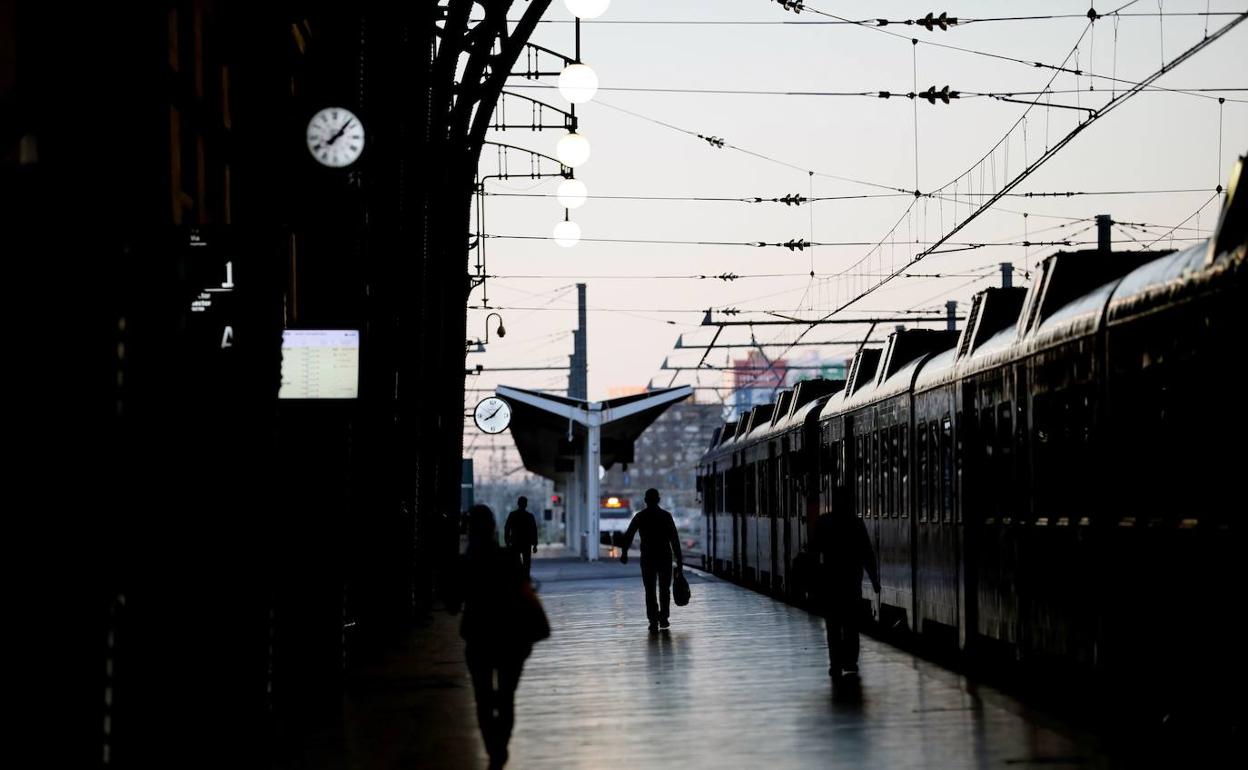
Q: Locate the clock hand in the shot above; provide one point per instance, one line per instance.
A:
(341, 131)
(496, 411)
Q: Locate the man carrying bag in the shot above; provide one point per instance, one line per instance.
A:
(659, 545)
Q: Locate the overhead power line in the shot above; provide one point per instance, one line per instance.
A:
(888, 93)
(796, 244)
(962, 21)
(1115, 102)
(793, 199)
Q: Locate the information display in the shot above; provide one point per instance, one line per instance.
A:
(320, 363)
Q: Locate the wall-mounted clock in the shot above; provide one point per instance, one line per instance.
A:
(492, 415)
(335, 137)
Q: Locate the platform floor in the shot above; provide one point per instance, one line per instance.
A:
(740, 681)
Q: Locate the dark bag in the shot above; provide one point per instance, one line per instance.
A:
(680, 589)
(530, 615)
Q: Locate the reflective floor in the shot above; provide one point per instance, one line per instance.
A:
(740, 681)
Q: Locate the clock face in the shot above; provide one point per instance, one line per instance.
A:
(335, 137)
(492, 415)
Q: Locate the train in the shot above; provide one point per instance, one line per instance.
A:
(615, 513)
(1057, 484)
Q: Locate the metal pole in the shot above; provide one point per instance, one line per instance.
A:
(593, 461)
(574, 500)
(578, 378)
(1104, 242)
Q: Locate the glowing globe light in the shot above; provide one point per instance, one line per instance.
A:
(572, 193)
(567, 234)
(578, 83)
(587, 9)
(572, 150)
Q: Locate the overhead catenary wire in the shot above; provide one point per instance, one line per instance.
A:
(1115, 102)
(721, 143)
(791, 201)
(888, 94)
(962, 21)
(793, 245)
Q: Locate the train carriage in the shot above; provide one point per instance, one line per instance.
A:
(1057, 484)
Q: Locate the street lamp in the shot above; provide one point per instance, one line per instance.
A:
(572, 193)
(482, 343)
(587, 9)
(567, 233)
(501, 331)
(578, 83)
(572, 150)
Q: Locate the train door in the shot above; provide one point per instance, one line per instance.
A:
(744, 513)
(710, 542)
(775, 509)
(736, 500)
(893, 549)
(970, 479)
(788, 512)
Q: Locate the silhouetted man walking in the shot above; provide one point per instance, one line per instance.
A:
(844, 550)
(520, 533)
(659, 545)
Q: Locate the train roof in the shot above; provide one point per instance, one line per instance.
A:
(1161, 281)
(781, 412)
(937, 370)
(861, 373)
(906, 352)
(809, 396)
(992, 311)
(760, 420)
(1076, 318)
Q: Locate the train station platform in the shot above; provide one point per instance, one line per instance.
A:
(739, 681)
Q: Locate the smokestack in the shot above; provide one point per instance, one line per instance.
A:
(1007, 275)
(1103, 240)
(952, 307)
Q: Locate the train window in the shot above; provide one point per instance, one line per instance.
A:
(920, 447)
(764, 506)
(894, 503)
(1022, 458)
(891, 511)
(957, 464)
(823, 477)
(1005, 447)
(988, 466)
(859, 488)
(905, 472)
(842, 465)
(879, 476)
(946, 468)
(867, 470)
(933, 469)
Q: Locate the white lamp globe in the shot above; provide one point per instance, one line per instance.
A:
(578, 83)
(572, 150)
(587, 9)
(572, 193)
(567, 233)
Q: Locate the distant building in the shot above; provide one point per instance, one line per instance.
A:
(755, 380)
(665, 457)
(625, 390)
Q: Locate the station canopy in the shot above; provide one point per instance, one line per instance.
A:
(550, 430)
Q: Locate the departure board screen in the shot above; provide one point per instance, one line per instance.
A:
(320, 363)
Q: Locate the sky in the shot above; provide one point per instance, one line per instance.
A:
(1156, 140)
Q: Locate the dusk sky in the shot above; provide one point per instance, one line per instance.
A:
(1157, 140)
